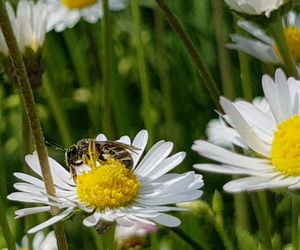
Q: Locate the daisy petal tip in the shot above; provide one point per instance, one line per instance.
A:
(197, 166)
(11, 197)
(231, 188)
(182, 155)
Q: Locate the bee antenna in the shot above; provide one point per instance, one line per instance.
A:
(56, 146)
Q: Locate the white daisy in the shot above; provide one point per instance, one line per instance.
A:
(272, 141)
(263, 46)
(111, 192)
(255, 7)
(29, 25)
(67, 13)
(40, 242)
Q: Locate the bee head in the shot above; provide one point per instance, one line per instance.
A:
(73, 156)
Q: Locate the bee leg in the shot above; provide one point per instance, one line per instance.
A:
(73, 174)
(92, 155)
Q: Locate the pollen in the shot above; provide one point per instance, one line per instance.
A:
(111, 185)
(77, 4)
(285, 154)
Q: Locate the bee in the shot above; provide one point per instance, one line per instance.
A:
(90, 150)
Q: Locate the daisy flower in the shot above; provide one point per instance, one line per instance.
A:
(262, 46)
(40, 242)
(111, 192)
(29, 25)
(67, 13)
(272, 140)
(255, 7)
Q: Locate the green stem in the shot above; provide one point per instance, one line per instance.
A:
(245, 76)
(241, 212)
(276, 28)
(240, 205)
(223, 55)
(28, 99)
(107, 41)
(262, 220)
(295, 222)
(108, 239)
(146, 105)
(186, 237)
(219, 224)
(244, 69)
(10, 241)
(201, 67)
(57, 112)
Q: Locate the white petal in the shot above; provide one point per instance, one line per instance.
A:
(125, 139)
(255, 31)
(219, 154)
(101, 137)
(27, 197)
(263, 52)
(28, 188)
(154, 157)
(244, 129)
(221, 134)
(216, 168)
(30, 179)
(125, 222)
(140, 141)
(167, 220)
(174, 198)
(166, 165)
(92, 220)
(256, 118)
(260, 183)
(31, 210)
(51, 221)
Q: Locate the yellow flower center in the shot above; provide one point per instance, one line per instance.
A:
(111, 185)
(292, 35)
(285, 155)
(77, 4)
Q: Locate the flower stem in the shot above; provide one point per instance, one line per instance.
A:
(241, 212)
(105, 241)
(106, 72)
(201, 67)
(223, 56)
(276, 28)
(244, 69)
(146, 106)
(295, 222)
(262, 220)
(28, 99)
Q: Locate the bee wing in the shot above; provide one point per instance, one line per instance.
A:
(120, 144)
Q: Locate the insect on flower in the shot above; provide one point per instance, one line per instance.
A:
(92, 152)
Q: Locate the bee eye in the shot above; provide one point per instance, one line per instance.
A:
(71, 151)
